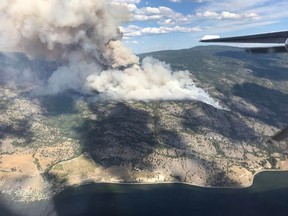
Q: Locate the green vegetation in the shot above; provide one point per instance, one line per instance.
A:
(15, 143)
(36, 161)
(218, 148)
(58, 167)
(273, 162)
(62, 175)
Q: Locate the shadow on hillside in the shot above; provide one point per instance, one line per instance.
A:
(271, 104)
(54, 105)
(20, 129)
(264, 66)
(118, 136)
(270, 72)
(223, 122)
(171, 139)
(242, 55)
(217, 177)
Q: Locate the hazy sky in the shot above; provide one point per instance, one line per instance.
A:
(176, 24)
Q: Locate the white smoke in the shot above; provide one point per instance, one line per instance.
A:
(153, 81)
(85, 36)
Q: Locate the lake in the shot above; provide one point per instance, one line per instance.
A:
(267, 196)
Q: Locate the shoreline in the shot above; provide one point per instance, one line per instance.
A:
(116, 195)
(178, 182)
(56, 192)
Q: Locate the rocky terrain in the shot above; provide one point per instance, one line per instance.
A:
(50, 142)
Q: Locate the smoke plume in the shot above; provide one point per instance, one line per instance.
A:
(85, 37)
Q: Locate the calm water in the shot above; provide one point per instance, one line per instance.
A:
(267, 196)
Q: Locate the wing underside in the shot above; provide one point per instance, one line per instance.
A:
(260, 50)
(274, 37)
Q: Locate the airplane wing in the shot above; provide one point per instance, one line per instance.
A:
(274, 37)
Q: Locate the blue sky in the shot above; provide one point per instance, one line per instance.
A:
(176, 24)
